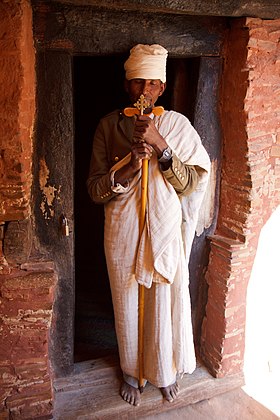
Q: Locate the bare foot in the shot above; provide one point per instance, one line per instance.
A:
(130, 394)
(170, 392)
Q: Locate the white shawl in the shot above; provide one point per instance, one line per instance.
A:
(169, 220)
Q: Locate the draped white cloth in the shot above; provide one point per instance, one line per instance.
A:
(159, 261)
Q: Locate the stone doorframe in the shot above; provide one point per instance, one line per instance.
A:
(234, 243)
(54, 131)
(233, 246)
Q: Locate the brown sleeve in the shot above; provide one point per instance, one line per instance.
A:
(99, 182)
(183, 178)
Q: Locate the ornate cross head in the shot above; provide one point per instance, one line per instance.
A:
(142, 104)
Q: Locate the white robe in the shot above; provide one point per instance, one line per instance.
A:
(159, 260)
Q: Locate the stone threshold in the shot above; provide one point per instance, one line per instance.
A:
(92, 392)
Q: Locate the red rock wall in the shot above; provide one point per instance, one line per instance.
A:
(26, 314)
(17, 106)
(250, 186)
(26, 290)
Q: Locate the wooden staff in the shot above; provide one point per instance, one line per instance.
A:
(140, 107)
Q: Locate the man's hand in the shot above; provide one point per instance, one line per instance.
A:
(139, 151)
(146, 131)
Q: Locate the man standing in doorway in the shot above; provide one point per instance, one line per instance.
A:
(158, 257)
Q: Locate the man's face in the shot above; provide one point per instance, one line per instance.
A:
(151, 89)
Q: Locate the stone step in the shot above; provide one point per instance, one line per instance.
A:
(92, 392)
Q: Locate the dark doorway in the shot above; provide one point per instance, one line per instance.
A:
(98, 89)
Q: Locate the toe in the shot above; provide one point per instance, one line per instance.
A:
(130, 394)
(173, 393)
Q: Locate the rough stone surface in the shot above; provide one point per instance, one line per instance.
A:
(26, 298)
(250, 185)
(18, 241)
(266, 9)
(17, 106)
(231, 405)
(25, 316)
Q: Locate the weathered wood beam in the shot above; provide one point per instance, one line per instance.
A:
(265, 9)
(103, 32)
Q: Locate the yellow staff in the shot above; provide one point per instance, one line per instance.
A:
(140, 107)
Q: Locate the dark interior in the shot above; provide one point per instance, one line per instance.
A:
(98, 89)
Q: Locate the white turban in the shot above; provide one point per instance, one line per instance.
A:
(146, 62)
